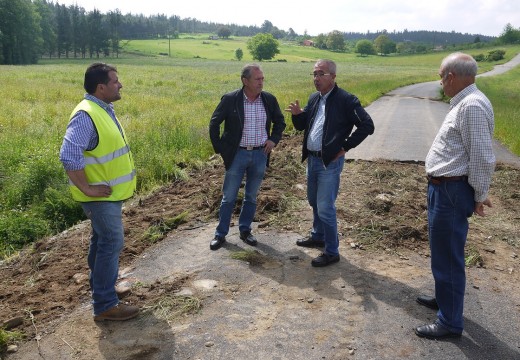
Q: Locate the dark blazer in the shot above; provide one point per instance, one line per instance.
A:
(343, 111)
(230, 110)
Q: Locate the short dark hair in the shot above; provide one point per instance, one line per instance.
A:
(97, 73)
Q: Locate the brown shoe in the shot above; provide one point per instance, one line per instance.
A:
(120, 312)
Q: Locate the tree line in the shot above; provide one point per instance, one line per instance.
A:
(32, 29)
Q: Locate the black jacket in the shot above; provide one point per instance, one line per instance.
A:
(230, 110)
(343, 111)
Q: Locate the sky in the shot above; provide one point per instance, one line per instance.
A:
(484, 17)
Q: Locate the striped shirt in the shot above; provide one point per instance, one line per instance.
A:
(255, 119)
(315, 137)
(81, 135)
(464, 143)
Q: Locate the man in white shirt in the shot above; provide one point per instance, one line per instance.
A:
(459, 167)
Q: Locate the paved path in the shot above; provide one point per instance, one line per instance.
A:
(361, 308)
(407, 120)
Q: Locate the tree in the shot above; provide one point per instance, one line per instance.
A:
(64, 31)
(384, 45)
(263, 47)
(98, 35)
(336, 41)
(320, 41)
(291, 34)
(239, 54)
(266, 27)
(365, 47)
(114, 20)
(224, 32)
(77, 34)
(20, 32)
(48, 26)
(510, 35)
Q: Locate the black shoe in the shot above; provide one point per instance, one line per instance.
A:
(310, 242)
(428, 301)
(435, 331)
(248, 238)
(324, 260)
(217, 242)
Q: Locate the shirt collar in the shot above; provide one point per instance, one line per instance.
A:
(101, 103)
(462, 94)
(324, 97)
(251, 101)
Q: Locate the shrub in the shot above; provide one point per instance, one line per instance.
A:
(60, 210)
(479, 57)
(496, 55)
(18, 229)
(26, 185)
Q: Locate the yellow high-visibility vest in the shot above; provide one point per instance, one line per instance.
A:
(110, 162)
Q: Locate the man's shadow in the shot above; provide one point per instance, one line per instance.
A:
(144, 337)
(476, 343)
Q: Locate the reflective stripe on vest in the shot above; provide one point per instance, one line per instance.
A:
(110, 162)
(89, 160)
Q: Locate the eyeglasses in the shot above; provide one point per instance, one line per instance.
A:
(318, 74)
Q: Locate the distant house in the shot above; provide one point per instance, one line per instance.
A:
(308, 43)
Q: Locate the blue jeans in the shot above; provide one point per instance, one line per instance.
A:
(252, 163)
(322, 191)
(449, 206)
(106, 243)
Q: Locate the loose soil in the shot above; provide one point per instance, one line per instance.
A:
(381, 211)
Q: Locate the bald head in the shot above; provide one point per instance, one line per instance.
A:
(460, 64)
(457, 71)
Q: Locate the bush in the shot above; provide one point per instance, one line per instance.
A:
(26, 185)
(18, 229)
(496, 55)
(479, 57)
(36, 202)
(60, 210)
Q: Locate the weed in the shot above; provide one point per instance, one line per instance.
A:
(161, 227)
(170, 307)
(473, 257)
(253, 257)
(7, 337)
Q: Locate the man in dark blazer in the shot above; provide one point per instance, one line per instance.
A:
(333, 122)
(253, 126)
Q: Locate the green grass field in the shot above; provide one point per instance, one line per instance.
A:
(165, 108)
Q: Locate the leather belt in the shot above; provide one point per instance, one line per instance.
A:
(437, 180)
(315, 153)
(251, 147)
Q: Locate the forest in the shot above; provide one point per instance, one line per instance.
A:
(35, 29)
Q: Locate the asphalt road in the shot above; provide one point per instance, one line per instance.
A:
(407, 120)
(362, 308)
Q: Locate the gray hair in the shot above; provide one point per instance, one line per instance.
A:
(459, 64)
(248, 69)
(331, 65)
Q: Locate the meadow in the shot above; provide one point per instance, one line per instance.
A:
(166, 105)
